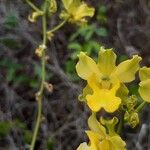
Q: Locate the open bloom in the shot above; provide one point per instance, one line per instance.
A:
(100, 139)
(144, 85)
(104, 78)
(103, 97)
(76, 11)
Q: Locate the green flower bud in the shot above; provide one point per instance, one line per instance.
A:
(131, 102)
(52, 6)
(132, 118)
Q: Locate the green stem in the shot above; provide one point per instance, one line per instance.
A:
(40, 92)
(140, 106)
(58, 26)
(37, 124)
(33, 6)
(121, 122)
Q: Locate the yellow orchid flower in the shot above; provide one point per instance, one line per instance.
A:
(76, 11)
(104, 78)
(103, 97)
(144, 85)
(100, 139)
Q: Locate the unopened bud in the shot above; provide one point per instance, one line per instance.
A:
(53, 6)
(50, 35)
(39, 50)
(33, 17)
(134, 120)
(48, 86)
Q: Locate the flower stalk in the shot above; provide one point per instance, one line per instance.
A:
(121, 123)
(33, 6)
(139, 108)
(42, 55)
(39, 95)
(58, 26)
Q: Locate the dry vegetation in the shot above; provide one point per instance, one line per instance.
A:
(64, 118)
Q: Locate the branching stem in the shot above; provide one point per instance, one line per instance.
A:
(121, 122)
(58, 26)
(33, 6)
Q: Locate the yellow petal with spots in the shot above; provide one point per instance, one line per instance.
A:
(144, 73)
(126, 70)
(144, 90)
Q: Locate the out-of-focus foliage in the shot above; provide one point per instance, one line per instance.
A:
(50, 144)
(102, 14)
(11, 21)
(123, 25)
(5, 128)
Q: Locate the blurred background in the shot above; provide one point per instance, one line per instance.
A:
(122, 25)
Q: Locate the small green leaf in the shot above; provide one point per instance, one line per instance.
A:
(11, 21)
(75, 46)
(101, 32)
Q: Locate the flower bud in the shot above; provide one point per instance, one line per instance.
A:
(39, 50)
(132, 118)
(49, 35)
(53, 6)
(49, 87)
(33, 17)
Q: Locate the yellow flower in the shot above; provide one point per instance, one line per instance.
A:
(144, 86)
(103, 97)
(76, 11)
(105, 78)
(99, 139)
